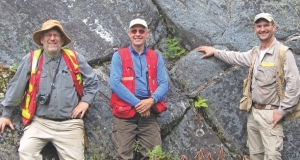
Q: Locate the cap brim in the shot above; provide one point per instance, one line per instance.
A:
(138, 24)
(267, 19)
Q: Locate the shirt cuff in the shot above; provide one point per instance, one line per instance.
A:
(7, 113)
(155, 100)
(87, 100)
(281, 111)
(217, 52)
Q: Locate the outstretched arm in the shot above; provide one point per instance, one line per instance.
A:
(230, 57)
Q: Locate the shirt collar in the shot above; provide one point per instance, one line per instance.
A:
(272, 47)
(134, 52)
(47, 59)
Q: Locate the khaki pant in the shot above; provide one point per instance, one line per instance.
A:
(127, 131)
(67, 137)
(264, 142)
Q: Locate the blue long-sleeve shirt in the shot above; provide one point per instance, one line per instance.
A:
(141, 85)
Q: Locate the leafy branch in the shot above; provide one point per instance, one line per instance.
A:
(173, 50)
(200, 102)
(136, 146)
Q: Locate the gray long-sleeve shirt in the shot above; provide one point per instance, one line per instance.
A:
(264, 77)
(63, 98)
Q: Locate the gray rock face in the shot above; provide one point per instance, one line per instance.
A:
(199, 72)
(98, 28)
(229, 23)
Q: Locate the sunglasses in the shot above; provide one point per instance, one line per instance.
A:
(134, 31)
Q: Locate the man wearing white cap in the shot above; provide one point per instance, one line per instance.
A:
(139, 83)
(59, 86)
(263, 97)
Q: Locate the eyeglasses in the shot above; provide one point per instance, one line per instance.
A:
(134, 31)
(50, 36)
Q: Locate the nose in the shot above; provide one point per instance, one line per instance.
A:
(52, 36)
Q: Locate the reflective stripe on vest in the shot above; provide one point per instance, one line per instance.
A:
(72, 63)
(30, 98)
(36, 60)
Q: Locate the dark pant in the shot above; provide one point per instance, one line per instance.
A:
(126, 131)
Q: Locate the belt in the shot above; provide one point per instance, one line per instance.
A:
(263, 106)
(56, 119)
(141, 98)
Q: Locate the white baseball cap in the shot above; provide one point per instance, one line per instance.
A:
(266, 16)
(138, 21)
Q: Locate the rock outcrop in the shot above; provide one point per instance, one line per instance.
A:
(98, 28)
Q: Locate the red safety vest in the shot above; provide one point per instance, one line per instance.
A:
(122, 109)
(29, 102)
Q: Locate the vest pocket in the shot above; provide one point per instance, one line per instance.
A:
(129, 82)
(244, 103)
(123, 111)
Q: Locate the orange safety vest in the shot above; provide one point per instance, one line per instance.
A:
(122, 109)
(36, 59)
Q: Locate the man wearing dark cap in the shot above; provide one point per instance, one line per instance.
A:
(59, 86)
(139, 83)
(263, 97)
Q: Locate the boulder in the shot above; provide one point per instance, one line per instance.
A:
(99, 28)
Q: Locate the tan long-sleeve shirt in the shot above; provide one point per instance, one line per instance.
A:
(264, 76)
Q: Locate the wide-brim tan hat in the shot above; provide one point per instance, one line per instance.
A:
(47, 26)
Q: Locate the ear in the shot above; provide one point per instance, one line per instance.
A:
(274, 27)
(63, 40)
(147, 34)
(128, 33)
(41, 39)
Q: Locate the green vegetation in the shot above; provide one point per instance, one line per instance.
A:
(200, 102)
(173, 50)
(136, 146)
(94, 155)
(158, 154)
(6, 73)
(14, 67)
